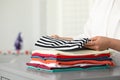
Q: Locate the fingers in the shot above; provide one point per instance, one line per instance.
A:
(93, 41)
(94, 38)
(97, 43)
(92, 47)
(90, 43)
(55, 36)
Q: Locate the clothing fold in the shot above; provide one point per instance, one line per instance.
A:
(62, 60)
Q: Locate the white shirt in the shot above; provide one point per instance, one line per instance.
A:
(104, 20)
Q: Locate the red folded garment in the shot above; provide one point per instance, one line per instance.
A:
(71, 56)
(74, 62)
(50, 68)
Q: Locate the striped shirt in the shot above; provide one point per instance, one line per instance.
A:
(58, 44)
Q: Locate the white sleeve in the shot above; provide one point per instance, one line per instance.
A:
(86, 32)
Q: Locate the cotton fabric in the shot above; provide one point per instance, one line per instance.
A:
(58, 44)
(104, 20)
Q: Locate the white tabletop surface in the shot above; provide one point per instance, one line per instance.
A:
(17, 65)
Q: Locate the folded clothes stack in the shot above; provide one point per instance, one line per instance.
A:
(60, 61)
(58, 44)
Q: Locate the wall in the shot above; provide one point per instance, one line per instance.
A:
(67, 17)
(40, 17)
(21, 16)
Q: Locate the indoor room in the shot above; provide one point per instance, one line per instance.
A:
(59, 40)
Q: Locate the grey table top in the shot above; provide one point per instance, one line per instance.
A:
(18, 66)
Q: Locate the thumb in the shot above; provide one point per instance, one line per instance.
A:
(94, 39)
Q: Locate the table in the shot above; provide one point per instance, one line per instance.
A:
(16, 69)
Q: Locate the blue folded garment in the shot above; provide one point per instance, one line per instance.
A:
(69, 69)
(72, 59)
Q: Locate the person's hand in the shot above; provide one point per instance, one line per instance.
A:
(55, 36)
(62, 38)
(98, 43)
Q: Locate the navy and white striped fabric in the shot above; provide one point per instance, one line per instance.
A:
(49, 42)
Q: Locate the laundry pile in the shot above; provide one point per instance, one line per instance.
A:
(60, 61)
(62, 55)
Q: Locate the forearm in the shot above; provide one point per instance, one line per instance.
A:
(114, 44)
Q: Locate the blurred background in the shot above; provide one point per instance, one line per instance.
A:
(34, 18)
